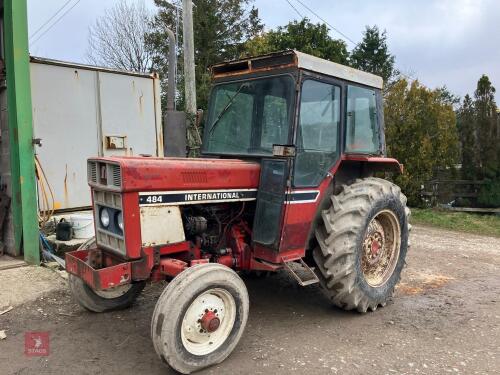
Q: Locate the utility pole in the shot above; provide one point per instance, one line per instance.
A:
(189, 75)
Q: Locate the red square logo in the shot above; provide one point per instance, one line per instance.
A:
(36, 344)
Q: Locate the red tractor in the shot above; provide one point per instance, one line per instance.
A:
(285, 182)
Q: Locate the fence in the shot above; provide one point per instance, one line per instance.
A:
(457, 195)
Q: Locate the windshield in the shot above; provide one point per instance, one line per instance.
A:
(248, 117)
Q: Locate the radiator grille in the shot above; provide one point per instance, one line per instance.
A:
(116, 175)
(104, 174)
(194, 177)
(92, 172)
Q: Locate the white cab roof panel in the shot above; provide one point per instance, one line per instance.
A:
(315, 64)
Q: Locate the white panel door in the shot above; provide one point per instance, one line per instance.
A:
(128, 115)
(65, 117)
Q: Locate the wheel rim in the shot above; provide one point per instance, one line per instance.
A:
(114, 292)
(381, 247)
(208, 321)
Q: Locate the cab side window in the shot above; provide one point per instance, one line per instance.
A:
(317, 133)
(362, 128)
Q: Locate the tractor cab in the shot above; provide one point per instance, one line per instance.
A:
(322, 108)
(299, 116)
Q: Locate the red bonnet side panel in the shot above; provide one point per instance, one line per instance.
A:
(166, 174)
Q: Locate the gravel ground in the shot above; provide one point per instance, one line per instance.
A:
(444, 318)
(24, 284)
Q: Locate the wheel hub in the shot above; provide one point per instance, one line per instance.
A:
(210, 322)
(375, 247)
(381, 248)
(374, 243)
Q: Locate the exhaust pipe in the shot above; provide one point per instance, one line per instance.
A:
(174, 122)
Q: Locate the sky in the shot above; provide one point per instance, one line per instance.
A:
(440, 42)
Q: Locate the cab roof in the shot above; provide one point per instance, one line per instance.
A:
(298, 60)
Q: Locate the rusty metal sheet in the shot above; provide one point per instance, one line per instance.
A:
(300, 61)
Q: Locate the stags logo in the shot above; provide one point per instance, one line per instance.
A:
(36, 344)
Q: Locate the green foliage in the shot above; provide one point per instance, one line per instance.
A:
(489, 195)
(372, 54)
(447, 96)
(221, 28)
(479, 127)
(486, 125)
(466, 129)
(303, 36)
(420, 132)
(458, 221)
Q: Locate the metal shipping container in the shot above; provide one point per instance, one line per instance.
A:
(82, 111)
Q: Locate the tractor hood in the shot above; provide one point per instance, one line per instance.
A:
(165, 174)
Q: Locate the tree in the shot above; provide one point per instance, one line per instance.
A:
(372, 54)
(447, 96)
(221, 27)
(479, 128)
(466, 122)
(421, 133)
(303, 36)
(117, 39)
(486, 125)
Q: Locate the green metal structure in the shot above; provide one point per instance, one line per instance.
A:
(24, 196)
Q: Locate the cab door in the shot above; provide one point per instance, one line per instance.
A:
(269, 212)
(317, 152)
(275, 119)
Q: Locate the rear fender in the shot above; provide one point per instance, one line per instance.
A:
(345, 172)
(373, 164)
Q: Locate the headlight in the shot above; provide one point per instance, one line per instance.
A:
(119, 220)
(105, 217)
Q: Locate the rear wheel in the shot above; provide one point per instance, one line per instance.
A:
(363, 240)
(200, 317)
(100, 301)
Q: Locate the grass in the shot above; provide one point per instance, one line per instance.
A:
(458, 221)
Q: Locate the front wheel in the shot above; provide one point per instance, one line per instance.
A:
(200, 317)
(362, 244)
(117, 298)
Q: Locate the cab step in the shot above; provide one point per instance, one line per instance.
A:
(301, 272)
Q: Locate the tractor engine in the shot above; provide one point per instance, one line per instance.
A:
(208, 226)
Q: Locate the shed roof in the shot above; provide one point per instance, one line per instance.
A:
(73, 65)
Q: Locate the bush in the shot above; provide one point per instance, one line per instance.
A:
(489, 195)
(421, 133)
